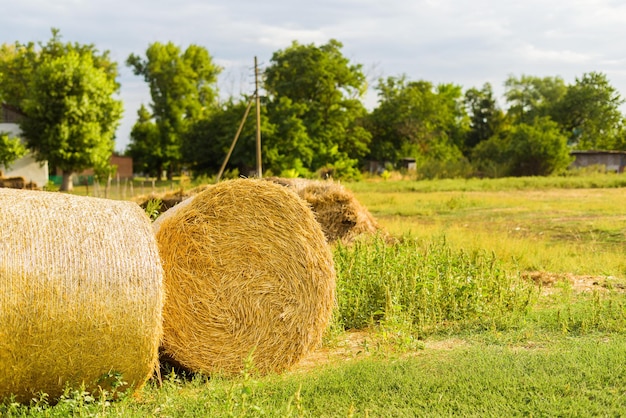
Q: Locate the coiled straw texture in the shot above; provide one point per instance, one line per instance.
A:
(249, 276)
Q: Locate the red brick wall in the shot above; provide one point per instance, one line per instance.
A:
(124, 166)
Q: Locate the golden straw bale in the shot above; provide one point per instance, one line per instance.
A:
(248, 272)
(341, 216)
(81, 293)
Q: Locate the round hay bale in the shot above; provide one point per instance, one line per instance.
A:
(248, 274)
(341, 216)
(81, 294)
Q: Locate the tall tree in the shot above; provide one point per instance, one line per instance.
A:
(182, 87)
(530, 97)
(65, 91)
(486, 118)
(324, 91)
(417, 119)
(144, 144)
(19, 61)
(71, 115)
(207, 140)
(590, 113)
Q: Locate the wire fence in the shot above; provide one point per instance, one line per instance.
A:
(117, 188)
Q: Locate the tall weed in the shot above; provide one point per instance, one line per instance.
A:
(426, 285)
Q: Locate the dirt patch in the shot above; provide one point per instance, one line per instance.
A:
(354, 344)
(550, 282)
(359, 344)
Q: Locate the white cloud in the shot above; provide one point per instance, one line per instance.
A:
(281, 37)
(534, 53)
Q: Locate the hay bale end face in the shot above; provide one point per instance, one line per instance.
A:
(248, 274)
(81, 293)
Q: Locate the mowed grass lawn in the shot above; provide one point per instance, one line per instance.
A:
(500, 298)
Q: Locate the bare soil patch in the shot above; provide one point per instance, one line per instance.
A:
(360, 344)
(550, 282)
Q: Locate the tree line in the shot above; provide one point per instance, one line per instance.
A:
(313, 120)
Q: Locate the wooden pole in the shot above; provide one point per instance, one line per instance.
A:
(259, 166)
(232, 146)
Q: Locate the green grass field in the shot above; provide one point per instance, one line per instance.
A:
(579, 230)
(501, 298)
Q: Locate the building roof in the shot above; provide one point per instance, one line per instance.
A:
(10, 114)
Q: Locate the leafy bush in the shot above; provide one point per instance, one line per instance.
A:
(11, 149)
(539, 149)
(445, 169)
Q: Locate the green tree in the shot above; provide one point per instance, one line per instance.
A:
(620, 136)
(286, 144)
(182, 87)
(17, 64)
(10, 150)
(324, 91)
(289, 150)
(19, 61)
(208, 139)
(530, 97)
(71, 115)
(486, 119)
(590, 114)
(144, 144)
(416, 119)
(62, 103)
(537, 149)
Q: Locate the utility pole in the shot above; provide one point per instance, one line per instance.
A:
(232, 145)
(259, 167)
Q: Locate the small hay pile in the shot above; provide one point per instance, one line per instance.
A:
(248, 272)
(16, 183)
(340, 214)
(81, 293)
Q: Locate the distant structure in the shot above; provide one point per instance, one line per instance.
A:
(123, 167)
(27, 167)
(611, 160)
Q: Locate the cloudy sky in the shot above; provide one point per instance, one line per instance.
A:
(443, 41)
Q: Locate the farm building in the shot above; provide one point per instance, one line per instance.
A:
(123, 167)
(612, 160)
(26, 167)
